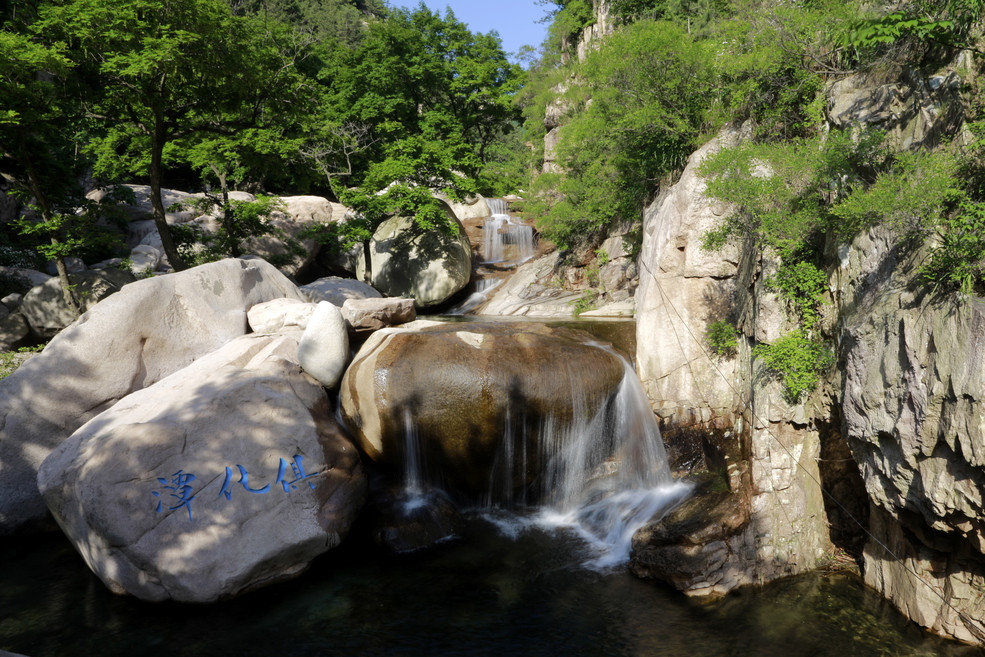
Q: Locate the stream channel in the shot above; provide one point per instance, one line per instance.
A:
(507, 585)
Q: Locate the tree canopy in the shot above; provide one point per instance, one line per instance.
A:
(377, 107)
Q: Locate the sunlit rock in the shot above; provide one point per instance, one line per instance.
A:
(324, 348)
(429, 266)
(223, 477)
(150, 329)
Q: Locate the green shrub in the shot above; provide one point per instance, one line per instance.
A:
(638, 128)
(723, 338)
(797, 361)
(958, 263)
(585, 303)
(802, 285)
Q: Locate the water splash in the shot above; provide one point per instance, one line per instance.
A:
(604, 474)
(612, 476)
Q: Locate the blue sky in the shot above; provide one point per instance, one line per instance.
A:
(515, 20)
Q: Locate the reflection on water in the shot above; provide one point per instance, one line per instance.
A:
(484, 595)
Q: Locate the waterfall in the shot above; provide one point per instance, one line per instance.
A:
(496, 206)
(505, 240)
(415, 492)
(606, 473)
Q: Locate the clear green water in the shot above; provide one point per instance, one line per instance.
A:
(482, 595)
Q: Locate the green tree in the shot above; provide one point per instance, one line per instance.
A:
(170, 70)
(415, 109)
(637, 115)
(37, 152)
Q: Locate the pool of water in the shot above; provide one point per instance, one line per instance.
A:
(484, 594)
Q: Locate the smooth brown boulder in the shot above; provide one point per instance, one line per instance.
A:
(464, 388)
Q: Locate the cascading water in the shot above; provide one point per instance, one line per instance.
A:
(604, 474)
(413, 461)
(505, 240)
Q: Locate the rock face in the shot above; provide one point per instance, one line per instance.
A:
(914, 391)
(907, 400)
(223, 477)
(429, 266)
(915, 111)
(529, 292)
(492, 380)
(683, 289)
(45, 308)
(150, 329)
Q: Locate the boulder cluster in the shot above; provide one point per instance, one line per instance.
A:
(181, 434)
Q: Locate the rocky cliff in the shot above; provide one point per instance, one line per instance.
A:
(894, 439)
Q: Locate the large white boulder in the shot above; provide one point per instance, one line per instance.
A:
(429, 266)
(150, 329)
(218, 479)
(324, 348)
(337, 291)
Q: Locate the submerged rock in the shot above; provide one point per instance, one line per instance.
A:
(411, 523)
(223, 477)
(144, 332)
(703, 546)
(462, 389)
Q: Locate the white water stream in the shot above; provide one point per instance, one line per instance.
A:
(606, 472)
(505, 240)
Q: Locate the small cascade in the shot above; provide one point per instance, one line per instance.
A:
(483, 288)
(606, 473)
(492, 239)
(505, 240)
(415, 492)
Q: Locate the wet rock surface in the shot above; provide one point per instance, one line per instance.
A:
(492, 380)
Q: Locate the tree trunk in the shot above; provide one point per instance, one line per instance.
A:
(66, 282)
(228, 220)
(47, 215)
(160, 220)
(368, 271)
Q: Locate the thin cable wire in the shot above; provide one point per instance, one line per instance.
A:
(974, 627)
